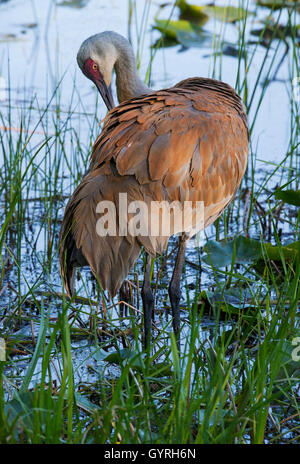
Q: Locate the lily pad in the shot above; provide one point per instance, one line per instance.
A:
(170, 29)
(192, 12)
(227, 302)
(118, 357)
(220, 253)
(137, 363)
(202, 13)
(230, 14)
(276, 4)
(192, 39)
(246, 250)
(292, 197)
(164, 42)
(24, 408)
(184, 32)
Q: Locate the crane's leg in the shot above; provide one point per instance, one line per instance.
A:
(174, 287)
(123, 297)
(148, 299)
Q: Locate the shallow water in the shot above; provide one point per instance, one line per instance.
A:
(39, 41)
(38, 45)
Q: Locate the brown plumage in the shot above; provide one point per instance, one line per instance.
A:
(186, 143)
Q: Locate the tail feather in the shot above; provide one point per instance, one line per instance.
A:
(109, 257)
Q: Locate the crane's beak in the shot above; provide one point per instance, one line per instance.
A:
(106, 93)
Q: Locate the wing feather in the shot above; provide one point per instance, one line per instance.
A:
(189, 142)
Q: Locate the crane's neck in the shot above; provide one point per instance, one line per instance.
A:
(129, 84)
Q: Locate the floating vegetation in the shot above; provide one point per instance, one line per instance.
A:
(243, 250)
(73, 3)
(201, 14)
(278, 4)
(292, 197)
(181, 31)
(188, 30)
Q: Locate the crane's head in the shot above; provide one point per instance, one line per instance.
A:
(96, 59)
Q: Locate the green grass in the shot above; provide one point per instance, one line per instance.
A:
(75, 375)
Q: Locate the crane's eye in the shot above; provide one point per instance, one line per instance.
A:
(95, 66)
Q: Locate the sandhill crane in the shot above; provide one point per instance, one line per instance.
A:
(185, 143)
